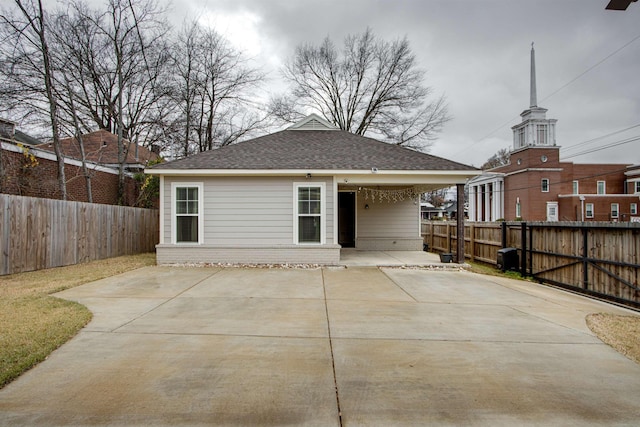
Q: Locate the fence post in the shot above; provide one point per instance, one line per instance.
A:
(585, 263)
(460, 223)
(472, 242)
(523, 260)
(503, 226)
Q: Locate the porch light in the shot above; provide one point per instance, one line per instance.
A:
(366, 206)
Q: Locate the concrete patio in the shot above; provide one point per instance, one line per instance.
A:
(359, 258)
(320, 347)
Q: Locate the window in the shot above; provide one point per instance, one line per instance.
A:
(518, 210)
(545, 185)
(633, 209)
(187, 218)
(637, 187)
(521, 137)
(576, 187)
(602, 187)
(542, 135)
(614, 210)
(588, 210)
(309, 219)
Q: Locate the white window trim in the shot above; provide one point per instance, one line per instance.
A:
(586, 210)
(636, 187)
(617, 215)
(633, 209)
(576, 187)
(323, 212)
(200, 186)
(604, 187)
(542, 185)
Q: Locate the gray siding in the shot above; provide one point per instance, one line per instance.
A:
(388, 225)
(388, 219)
(248, 211)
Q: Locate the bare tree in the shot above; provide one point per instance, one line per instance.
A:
(213, 86)
(32, 61)
(370, 87)
(119, 62)
(500, 158)
(436, 197)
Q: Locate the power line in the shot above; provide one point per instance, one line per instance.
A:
(610, 145)
(580, 144)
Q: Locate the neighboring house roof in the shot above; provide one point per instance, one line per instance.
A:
(102, 147)
(297, 148)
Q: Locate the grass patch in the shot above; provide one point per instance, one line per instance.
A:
(491, 270)
(620, 332)
(33, 323)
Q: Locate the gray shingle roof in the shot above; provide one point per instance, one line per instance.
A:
(314, 150)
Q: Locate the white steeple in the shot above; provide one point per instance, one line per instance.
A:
(533, 96)
(535, 129)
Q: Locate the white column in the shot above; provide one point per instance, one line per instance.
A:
(487, 204)
(472, 203)
(479, 202)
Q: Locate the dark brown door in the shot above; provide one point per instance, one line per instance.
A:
(347, 219)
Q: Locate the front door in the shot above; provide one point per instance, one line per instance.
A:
(347, 219)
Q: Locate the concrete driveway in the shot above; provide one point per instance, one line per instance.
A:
(327, 347)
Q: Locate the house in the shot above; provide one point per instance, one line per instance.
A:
(536, 186)
(29, 167)
(296, 196)
(101, 147)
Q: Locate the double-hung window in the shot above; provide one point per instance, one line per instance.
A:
(602, 187)
(615, 210)
(588, 210)
(545, 185)
(186, 213)
(633, 209)
(576, 187)
(637, 187)
(309, 220)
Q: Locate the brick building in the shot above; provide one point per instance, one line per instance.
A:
(29, 168)
(537, 186)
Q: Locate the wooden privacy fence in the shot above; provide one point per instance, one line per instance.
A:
(596, 258)
(42, 233)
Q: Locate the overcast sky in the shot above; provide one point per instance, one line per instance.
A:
(476, 52)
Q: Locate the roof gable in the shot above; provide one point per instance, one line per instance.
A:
(313, 122)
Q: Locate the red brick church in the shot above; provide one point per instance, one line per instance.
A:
(537, 186)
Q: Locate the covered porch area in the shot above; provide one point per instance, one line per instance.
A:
(378, 220)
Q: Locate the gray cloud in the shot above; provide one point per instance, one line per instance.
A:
(477, 53)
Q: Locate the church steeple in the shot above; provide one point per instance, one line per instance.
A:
(535, 130)
(533, 96)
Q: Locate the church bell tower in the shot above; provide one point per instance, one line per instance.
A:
(535, 130)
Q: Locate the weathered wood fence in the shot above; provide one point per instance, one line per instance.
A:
(596, 258)
(42, 233)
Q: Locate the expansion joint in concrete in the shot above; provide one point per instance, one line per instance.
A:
(333, 360)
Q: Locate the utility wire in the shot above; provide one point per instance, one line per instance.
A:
(590, 141)
(610, 145)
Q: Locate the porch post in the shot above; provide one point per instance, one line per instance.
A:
(460, 224)
(472, 203)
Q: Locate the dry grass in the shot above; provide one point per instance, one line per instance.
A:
(620, 332)
(33, 324)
